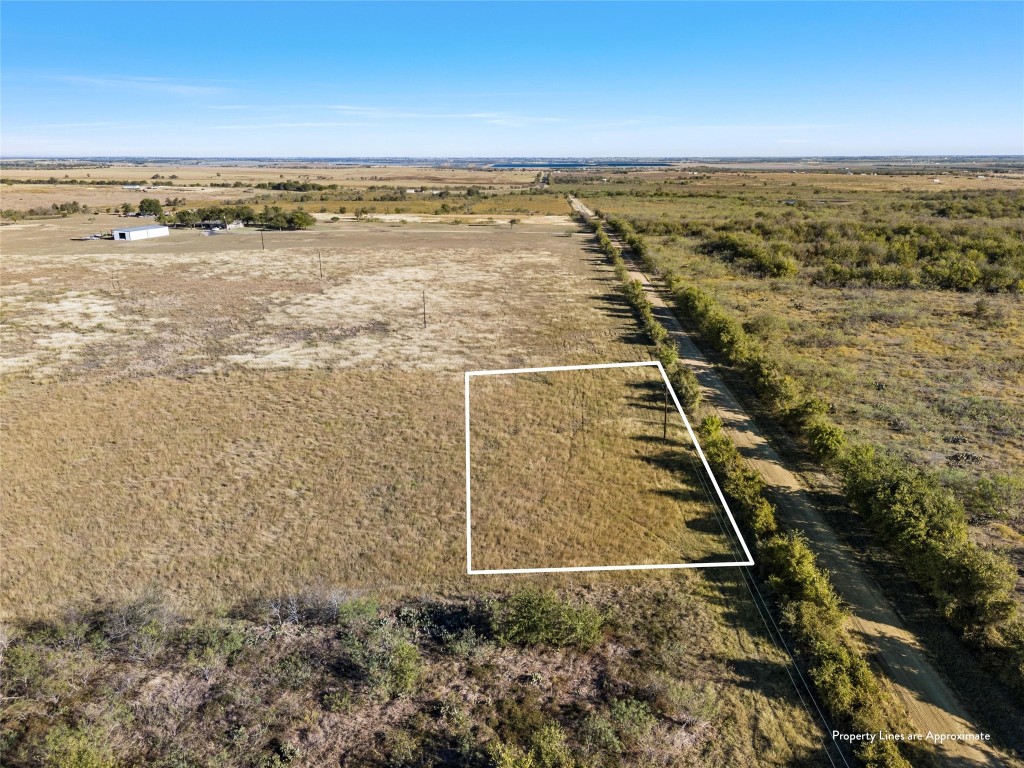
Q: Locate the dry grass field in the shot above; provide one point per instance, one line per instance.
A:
(208, 184)
(156, 420)
(349, 175)
(201, 417)
(573, 445)
(180, 409)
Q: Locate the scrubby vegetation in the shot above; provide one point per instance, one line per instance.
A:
(955, 241)
(810, 610)
(524, 678)
(923, 524)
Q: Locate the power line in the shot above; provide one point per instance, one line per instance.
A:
(761, 606)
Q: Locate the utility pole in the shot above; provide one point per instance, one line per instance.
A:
(320, 259)
(424, 307)
(261, 240)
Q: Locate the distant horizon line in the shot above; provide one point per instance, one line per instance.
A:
(577, 158)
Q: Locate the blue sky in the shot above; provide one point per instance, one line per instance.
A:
(486, 79)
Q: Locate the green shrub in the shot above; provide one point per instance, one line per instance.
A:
(827, 439)
(794, 574)
(633, 721)
(336, 701)
(77, 748)
(776, 260)
(357, 610)
(293, 671)
(551, 749)
(780, 390)
(766, 326)
(953, 271)
(211, 642)
(504, 755)
(401, 749)
(668, 354)
(598, 735)
(981, 587)
(532, 617)
(401, 671)
(742, 485)
(379, 654)
(685, 384)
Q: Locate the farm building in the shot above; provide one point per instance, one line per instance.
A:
(141, 233)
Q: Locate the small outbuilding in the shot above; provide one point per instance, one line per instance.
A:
(141, 233)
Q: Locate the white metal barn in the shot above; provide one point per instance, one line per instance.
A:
(141, 233)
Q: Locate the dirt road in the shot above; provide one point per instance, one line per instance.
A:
(930, 702)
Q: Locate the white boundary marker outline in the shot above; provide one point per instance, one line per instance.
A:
(569, 569)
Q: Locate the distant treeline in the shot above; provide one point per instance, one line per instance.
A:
(161, 182)
(95, 182)
(54, 209)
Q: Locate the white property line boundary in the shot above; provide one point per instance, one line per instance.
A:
(469, 507)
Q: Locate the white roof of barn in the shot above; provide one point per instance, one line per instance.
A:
(141, 229)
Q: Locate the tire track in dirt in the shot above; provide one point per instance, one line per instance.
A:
(930, 703)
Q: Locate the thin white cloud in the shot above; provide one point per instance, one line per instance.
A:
(153, 84)
(496, 118)
(310, 124)
(94, 124)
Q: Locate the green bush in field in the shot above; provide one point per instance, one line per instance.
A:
(378, 653)
(598, 735)
(211, 642)
(401, 749)
(633, 721)
(766, 326)
(827, 439)
(532, 617)
(928, 527)
(769, 259)
(504, 755)
(77, 748)
(742, 485)
(954, 271)
(983, 585)
(685, 384)
(778, 388)
(668, 354)
(551, 748)
(793, 572)
(775, 260)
